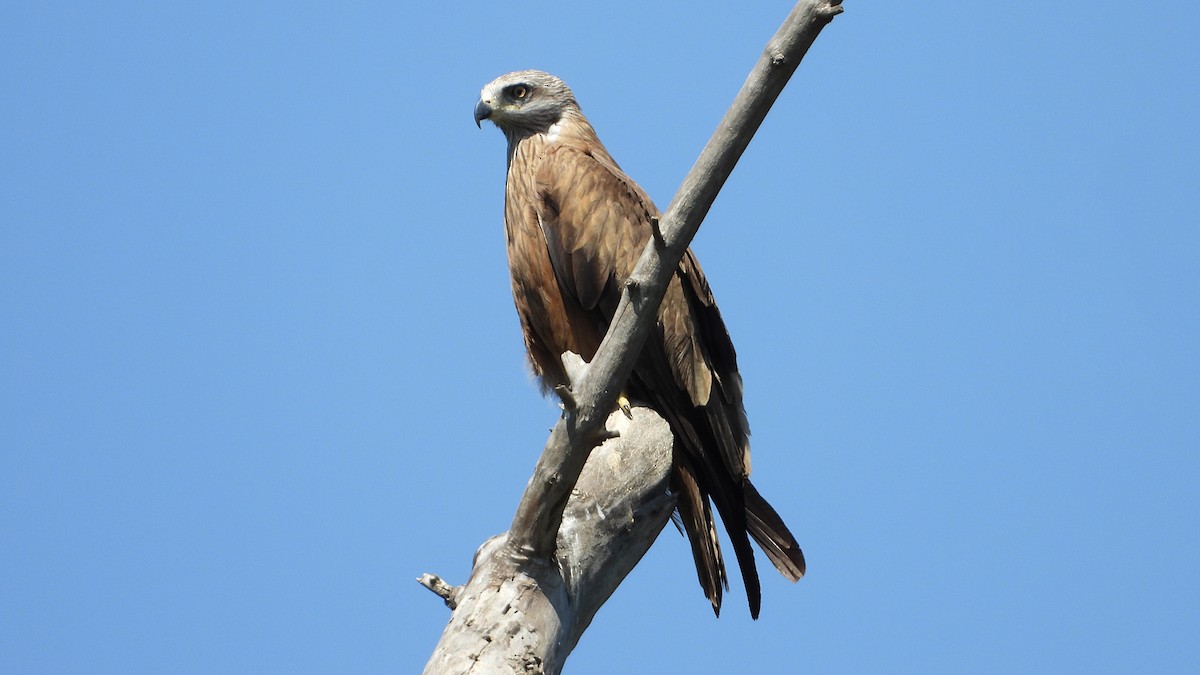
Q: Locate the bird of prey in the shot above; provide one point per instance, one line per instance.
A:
(575, 226)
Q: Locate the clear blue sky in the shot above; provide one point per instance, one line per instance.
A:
(259, 366)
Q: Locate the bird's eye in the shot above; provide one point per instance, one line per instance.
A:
(520, 91)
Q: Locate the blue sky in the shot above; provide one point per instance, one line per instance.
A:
(259, 366)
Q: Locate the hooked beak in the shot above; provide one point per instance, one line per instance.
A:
(483, 110)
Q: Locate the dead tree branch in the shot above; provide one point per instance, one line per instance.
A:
(526, 615)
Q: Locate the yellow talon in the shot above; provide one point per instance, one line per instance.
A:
(623, 404)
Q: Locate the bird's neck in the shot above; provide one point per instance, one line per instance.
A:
(571, 128)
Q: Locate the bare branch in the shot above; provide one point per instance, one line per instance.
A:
(440, 588)
(656, 232)
(525, 615)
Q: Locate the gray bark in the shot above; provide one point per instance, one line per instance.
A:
(525, 615)
(535, 589)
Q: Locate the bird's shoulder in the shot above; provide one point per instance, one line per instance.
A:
(580, 168)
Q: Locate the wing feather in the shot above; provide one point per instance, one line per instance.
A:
(593, 223)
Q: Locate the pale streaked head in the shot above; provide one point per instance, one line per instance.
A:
(524, 102)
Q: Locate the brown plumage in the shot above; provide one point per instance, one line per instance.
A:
(575, 226)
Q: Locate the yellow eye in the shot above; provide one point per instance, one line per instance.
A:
(520, 91)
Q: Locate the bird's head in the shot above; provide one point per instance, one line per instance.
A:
(524, 102)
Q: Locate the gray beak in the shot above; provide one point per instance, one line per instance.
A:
(483, 110)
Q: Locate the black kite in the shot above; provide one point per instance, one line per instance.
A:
(575, 227)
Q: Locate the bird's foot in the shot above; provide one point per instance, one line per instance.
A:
(623, 404)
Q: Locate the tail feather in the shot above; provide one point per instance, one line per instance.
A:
(698, 523)
(745, 559)
(772, 535)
